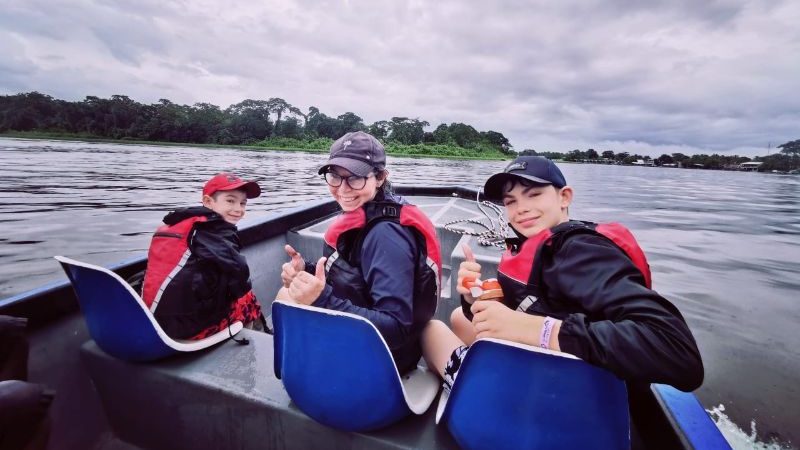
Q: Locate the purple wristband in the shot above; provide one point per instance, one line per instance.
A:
(547, 329)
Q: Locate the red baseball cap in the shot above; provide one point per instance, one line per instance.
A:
(227, 182)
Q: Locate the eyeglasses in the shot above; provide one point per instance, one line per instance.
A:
(354, 181)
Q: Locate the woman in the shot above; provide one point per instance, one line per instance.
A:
(382, 258)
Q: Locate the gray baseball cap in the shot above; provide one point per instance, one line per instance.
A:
(358, 152)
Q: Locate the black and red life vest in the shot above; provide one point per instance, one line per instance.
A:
(344, 240)
(168, 253)
(521, 265)
(195, 272)
(345, 236)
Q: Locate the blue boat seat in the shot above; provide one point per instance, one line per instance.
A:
(691, 422)
(508, 395)
(119, 321)
(337, 369)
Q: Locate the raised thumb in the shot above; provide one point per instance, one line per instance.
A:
(468, 255)
(297, 261)
(320, 272)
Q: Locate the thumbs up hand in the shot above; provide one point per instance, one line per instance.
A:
(306, 288)
(290, 269)
(469, 274)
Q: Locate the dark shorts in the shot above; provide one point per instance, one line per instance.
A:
(451, 369)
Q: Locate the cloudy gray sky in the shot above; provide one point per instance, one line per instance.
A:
(649, 77)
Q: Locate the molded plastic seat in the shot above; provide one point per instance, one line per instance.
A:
(337, 368)
(119, 321)
(690, 419)
(508, 395)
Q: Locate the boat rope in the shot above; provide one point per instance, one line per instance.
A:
(494, 233)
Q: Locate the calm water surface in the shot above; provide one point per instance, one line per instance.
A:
(723, 246)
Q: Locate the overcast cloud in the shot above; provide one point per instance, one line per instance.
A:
(645, 77)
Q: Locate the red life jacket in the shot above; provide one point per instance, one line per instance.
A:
(342, 236)
(343, 242)
(169, 251)
(520, 268)
(192, 296)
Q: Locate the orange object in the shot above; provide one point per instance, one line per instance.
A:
(490, 283)
(491, 290)
(466, 281)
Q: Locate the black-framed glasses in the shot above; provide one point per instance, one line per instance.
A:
(354, 181)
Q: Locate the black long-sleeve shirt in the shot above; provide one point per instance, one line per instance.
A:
(610, 319)
(623, 326)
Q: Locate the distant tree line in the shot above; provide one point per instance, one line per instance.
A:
(247, 122)
(788, 158)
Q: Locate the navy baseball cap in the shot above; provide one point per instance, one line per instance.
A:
(358, 152)
(536, 169)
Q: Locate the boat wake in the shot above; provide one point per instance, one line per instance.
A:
(737, 437)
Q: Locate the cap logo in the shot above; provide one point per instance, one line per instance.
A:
(345, 144)
(517, 166)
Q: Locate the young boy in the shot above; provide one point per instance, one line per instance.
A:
(197, 281)
(568, 286)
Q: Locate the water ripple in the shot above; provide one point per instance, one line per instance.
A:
(723, 246)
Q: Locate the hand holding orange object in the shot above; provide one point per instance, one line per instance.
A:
(469, 274)
(491, 290)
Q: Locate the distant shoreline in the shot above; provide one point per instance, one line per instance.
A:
(674, 166)
(80, 138)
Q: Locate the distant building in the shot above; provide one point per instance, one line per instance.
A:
(644, 162)
(751, 165)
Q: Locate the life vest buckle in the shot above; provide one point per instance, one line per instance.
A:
(390, 211)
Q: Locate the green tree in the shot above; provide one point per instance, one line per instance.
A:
(791, 147)
(608, 154)
(680, 158)
(497, 140)
(553, 155)
(277, 106)
(351, 122)
(441, 135)
(296, 111)
(247, 121)
(407, 131)
(203, 122)
(780, 161)
(380, 129)
(574, 155)
(290, 128)
(464, 135)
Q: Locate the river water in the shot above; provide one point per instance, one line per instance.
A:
(723, 246)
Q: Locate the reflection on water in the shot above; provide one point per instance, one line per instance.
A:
(723, 246)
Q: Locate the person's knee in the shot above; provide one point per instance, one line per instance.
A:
(462, 327)
(457, 317)
(433, 328)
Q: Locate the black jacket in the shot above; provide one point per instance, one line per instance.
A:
(610, 319)
(212, 279)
